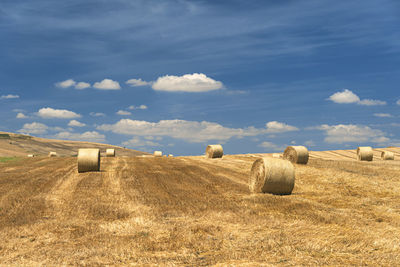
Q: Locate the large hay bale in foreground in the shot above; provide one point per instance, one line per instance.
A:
(270, 175)
(296, 154)
(88, 160)
(387, 155)
(214, 151)
(157, 153)
(52, 154)
(365, 153)
(110, 152)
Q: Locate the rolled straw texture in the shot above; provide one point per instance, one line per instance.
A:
(110, 152)
(365, 153)
(296, 154)
(88, 159)
(214, 151)
(387, 155)
(158, 153)
(53, 154)
(270, 175)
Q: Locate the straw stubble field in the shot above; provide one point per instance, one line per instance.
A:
(197, 211)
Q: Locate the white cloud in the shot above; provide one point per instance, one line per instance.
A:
(348, 97)
(66, 83)
(49, 113)
(351, 133)
(383, 115)
(124, 113)
(137, 82)
(82, 85)
(92, 136)
(34, 128)
(97, 114)
(137, 142)
(107, 84)
(21, 115)
(196, 82)
(398, 102)
(191, 131)
(139, 107)
(309, 143)
(9, 96)
(75, 123)
(271, 146)
(279, 127)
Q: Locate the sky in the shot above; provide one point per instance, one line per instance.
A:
(177, 75)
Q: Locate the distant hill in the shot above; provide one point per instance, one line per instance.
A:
(12, 144)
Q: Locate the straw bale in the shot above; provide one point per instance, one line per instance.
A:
(271, 175)
(53, 154)
(214, 151)
(170, 155)
(88, 159)
(296, 154)
(31, 156)
(157, 153)
(110, 152)
(365, 153)
(387, 155)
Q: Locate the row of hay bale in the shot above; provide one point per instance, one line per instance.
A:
(89, 159)
(366, 153)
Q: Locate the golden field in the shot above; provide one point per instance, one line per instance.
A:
(194, 211)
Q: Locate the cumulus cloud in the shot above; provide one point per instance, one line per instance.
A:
(196, 82)
(398, 102)
(9, 96)
(75, 123)
(92, 136)
(66, 83)
(271, 146)
(50, 113)
(348, 97)
(350, 133)
(137, 82)
(97, 114)
(82, 85)
(383, 115)
(139, 107)
(34, 128)
(138, 142)
(123, 113)
(279, 127)
(309, 143)
(107, 84)
(191, 131)
(21, 115)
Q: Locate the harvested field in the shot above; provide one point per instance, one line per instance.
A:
(195, 211)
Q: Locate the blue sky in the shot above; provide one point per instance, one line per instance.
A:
(176, 75)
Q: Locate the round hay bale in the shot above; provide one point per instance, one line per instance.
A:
(365, 153)
(170, 155)
(214, 151)
(52, 154)
(387, 155)
(157, 153)
(270, 175)
(296, 154)
(88, 159)
(31, 156)
(110, 152)
(276, 155)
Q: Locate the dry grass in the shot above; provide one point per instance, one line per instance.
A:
(193, 211)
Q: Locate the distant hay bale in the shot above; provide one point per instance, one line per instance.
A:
(110, 152)
(88, 159)
(31, 156)
(296, 154)
(365, 153)
(52, 154)
(276, 155)
(170, 155)
(270, 175)
(157, 153)
(214, 151)
(387, 155)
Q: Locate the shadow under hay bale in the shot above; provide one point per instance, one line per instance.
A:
(296, 154)
(88, 160)
(214, 151)
(271, 175)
